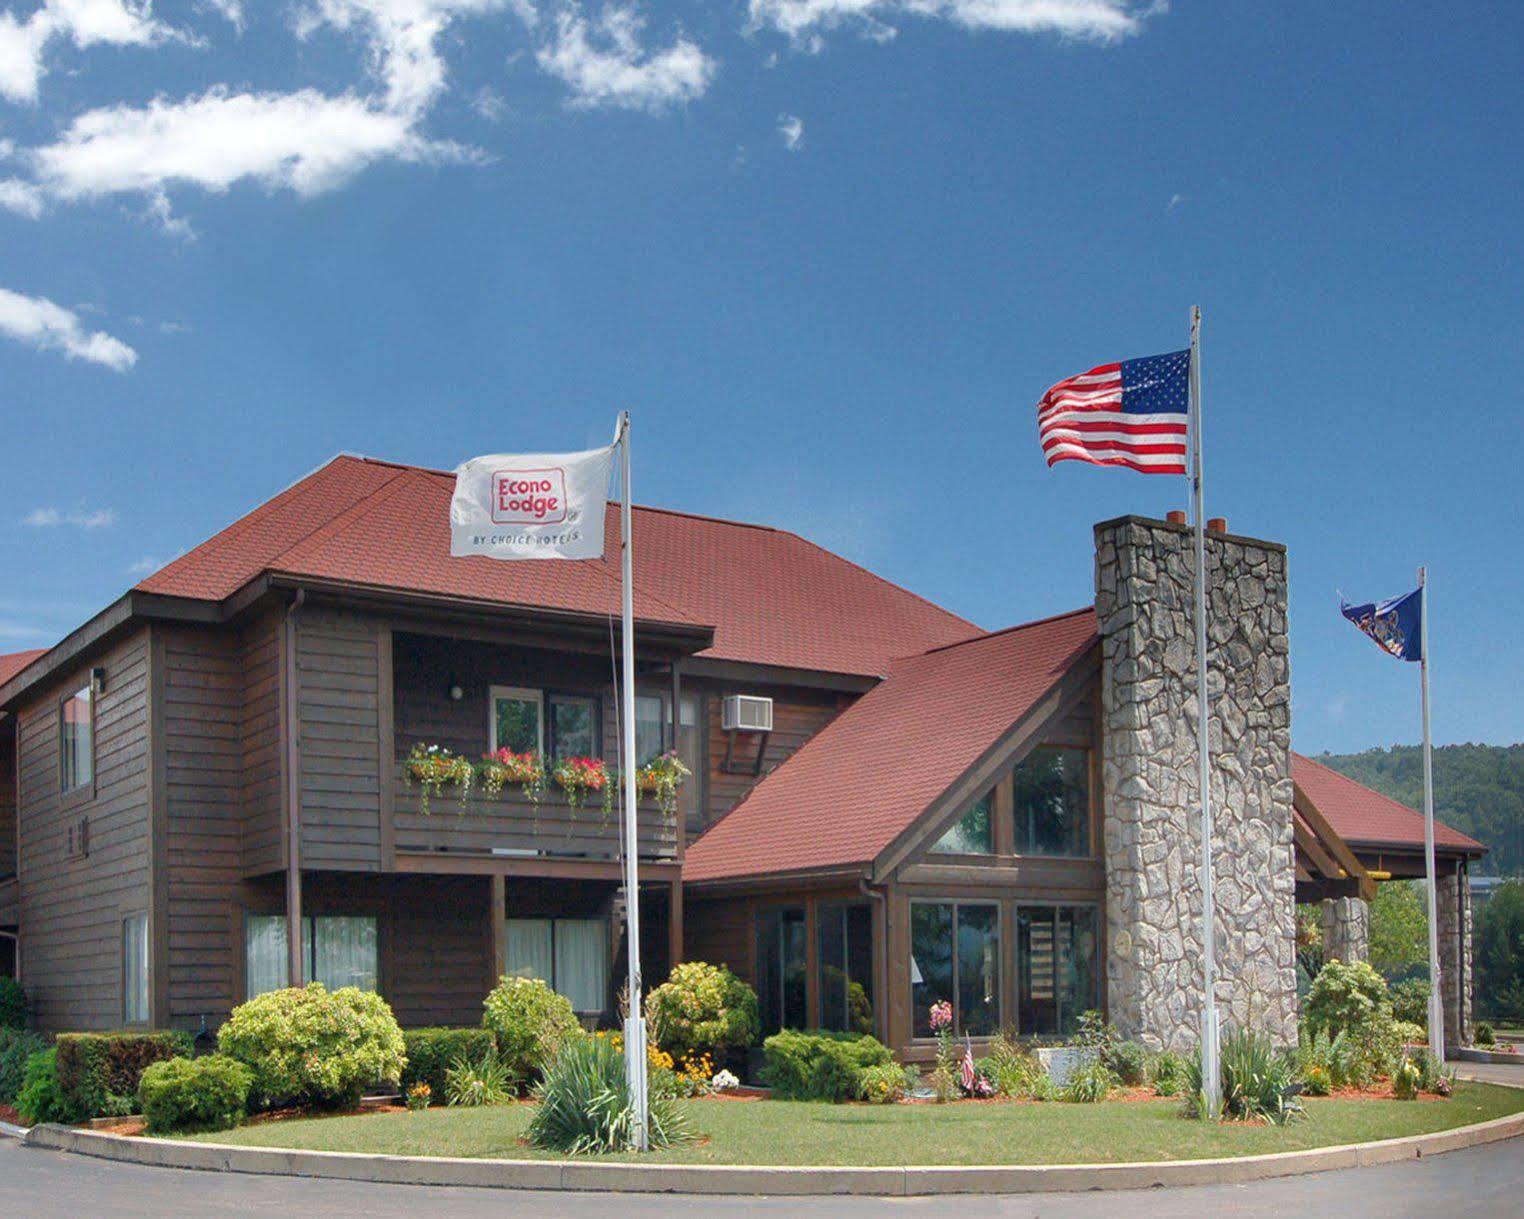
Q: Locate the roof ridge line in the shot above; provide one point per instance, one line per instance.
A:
(1005, 630)
(335, 524)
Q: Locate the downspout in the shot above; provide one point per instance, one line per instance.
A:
(876, 893)
(293, 801)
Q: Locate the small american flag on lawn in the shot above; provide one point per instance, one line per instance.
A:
(967, 1077)
(1132, 414)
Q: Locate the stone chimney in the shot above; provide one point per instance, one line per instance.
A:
(1144, 602)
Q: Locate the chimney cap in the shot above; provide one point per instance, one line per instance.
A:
(1176, 517)
(1217, 524)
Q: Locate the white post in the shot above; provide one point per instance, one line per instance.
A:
(1436, 1002)
(635, 1024)
(1211, 1078)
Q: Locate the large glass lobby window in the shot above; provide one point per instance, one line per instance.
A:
(973, 833)
(844, 948)
(1052, 802)
(782, 947)
(955, 956)
(1057, 967)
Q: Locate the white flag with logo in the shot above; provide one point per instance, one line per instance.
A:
(531, 505)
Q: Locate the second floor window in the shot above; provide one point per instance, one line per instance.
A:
(573, 726)
(1052, 802)
(76, 740)
(973, 833)
(517, 720)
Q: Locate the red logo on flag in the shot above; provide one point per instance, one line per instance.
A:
(529, 497)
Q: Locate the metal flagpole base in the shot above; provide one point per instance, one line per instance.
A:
(635, 1053)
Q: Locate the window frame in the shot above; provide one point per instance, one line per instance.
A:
(991, 797)
(1087, 836)
(526, 694)
(776, 911)
(134, 919)
(998, 906)
(554, 920)
(85, 789)
(549, 698)
(309, 946)
(1097, 996)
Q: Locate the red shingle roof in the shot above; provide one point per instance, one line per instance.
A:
(1366, 818)
(13, 662)
(862, 780)
(771, 597)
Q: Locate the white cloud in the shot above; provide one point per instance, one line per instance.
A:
(805, 22)
(80, 518)
(39, 322)
(603, 62)
(146, 566)
(791, 131)
(86, 23)
(489, 104)
(21, 197)
(230, 11)
(1175, 201)
(306, 142)
(403, 37)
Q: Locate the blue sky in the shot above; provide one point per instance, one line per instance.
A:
(829, 252)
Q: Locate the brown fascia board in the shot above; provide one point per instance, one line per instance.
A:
(779, 675)
(1151, 523)
(1415, 849)
(762, 882)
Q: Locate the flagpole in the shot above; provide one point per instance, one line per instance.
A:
(635, 1024)
(1211, 1079)
(1436, 1003)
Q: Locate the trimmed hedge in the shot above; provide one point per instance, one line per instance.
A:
(40, 1099)
(99, 1073)
(16, 1046)
(13, 1004)
(188, 1094)
(817, 1065)
(433, 1051)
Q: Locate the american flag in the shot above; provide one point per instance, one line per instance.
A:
(968, 1078)
(1131, 414)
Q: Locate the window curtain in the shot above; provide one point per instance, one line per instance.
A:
(529, 950)
(135, 969)
(652, 730)
(582, 962)
(264, 953)
(342, 952)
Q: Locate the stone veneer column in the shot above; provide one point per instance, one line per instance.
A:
(1346, 929)
(1453, 902)
(1144, 604)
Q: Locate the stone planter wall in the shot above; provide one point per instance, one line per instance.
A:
(1145, 606)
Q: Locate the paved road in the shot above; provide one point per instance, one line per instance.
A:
(36, 1184)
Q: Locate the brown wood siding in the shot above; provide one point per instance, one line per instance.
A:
(439, 958)
(264, 848)
(7, 804)
(720, 933)
(204, 776)
(339, 732)
(72, 908)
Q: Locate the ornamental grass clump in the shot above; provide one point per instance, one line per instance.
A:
(1259, 1081)
(702, 1009)
(485, 1081)
(1089, 1084)
(583, 1105)
(530, 1024)
(309, 1046)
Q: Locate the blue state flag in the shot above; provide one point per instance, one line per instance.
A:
(1396, 625)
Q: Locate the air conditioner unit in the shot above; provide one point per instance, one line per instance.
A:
(746, 713)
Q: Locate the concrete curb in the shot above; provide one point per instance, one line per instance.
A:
(725, 1179)
(15, 1132)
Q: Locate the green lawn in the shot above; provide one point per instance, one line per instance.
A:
(783, 1132)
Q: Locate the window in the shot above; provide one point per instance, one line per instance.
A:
(517, 722)
(337, 950)
(844, 947)
(1052, 802)
(76, 740)
(135, 969)
(570, 955)
(1056, 966)
(973, 833)
(573, 727)
(781, 968)
(653, 727)
(955, 957)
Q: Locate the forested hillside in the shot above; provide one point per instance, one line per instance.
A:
(1477, 788)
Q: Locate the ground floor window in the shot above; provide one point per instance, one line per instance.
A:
(570, 955)
(1057, 965)
(337, 950)
(955, 957)
(782, 966)
(135, 969)
(844, 949)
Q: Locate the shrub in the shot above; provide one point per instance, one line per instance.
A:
(431, 1051)
(185, 1094)
(1410, 1001)
(1258, 1080)
(308, 1046)
(1499, 941)
(16, 1046)
(1013, 1069)
(13, 1004)
(584, 1104)
(100, 1072)
(1090, 1084)
(40, 1098)
(944, 1085)
(1128, 1061)
(1408, 1034)
(1167, 1073)
(1484, 1036)
(1433, 1076)
(485, 1081)
(818, 1065)
(530, 1024)
(1405, 1079)
(702, 1009)
(418, 1097)
(1347, 997)
(880, 1085)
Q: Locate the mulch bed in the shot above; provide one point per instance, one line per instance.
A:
(8, 1114)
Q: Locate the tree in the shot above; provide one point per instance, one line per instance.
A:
(1499, 953)
(1399, 944)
